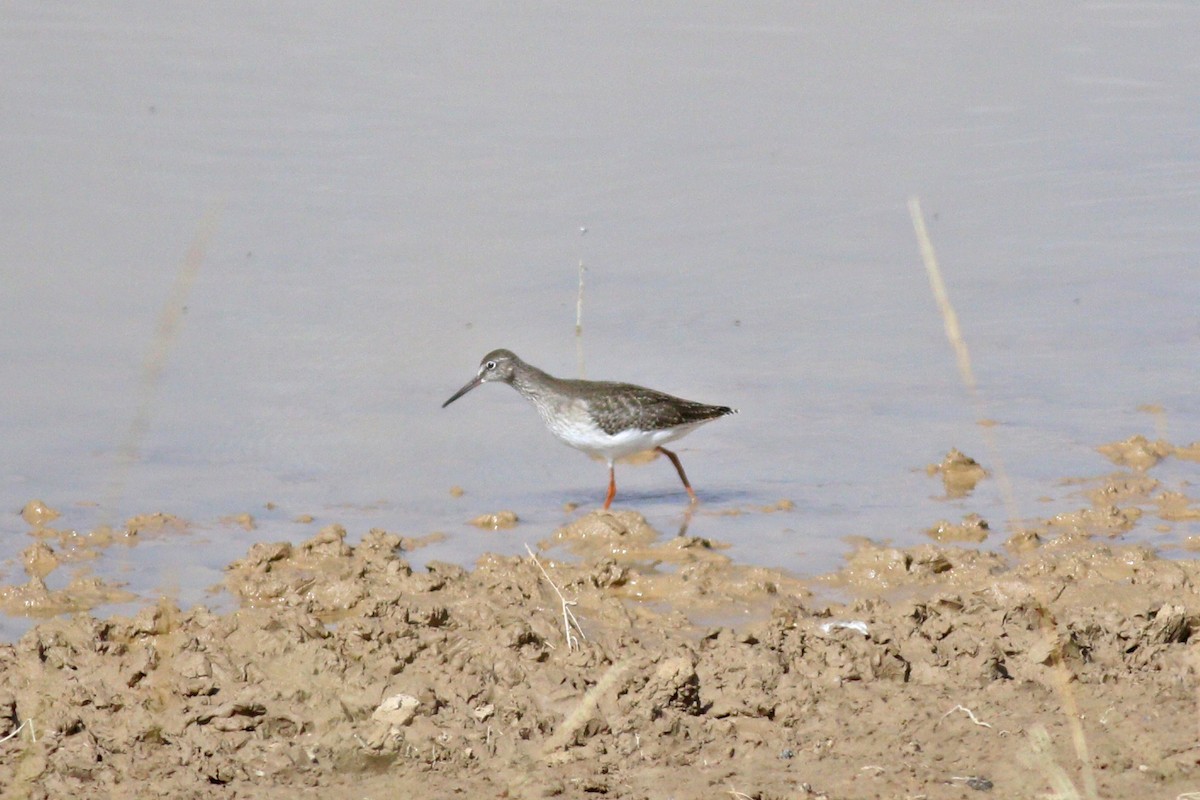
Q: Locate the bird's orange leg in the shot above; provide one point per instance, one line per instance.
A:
(679, 468)
(612, 487)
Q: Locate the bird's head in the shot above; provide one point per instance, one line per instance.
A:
(498, 365)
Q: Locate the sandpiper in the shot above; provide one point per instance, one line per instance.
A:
(601, 418)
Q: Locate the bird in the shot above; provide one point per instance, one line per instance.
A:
(601, 418)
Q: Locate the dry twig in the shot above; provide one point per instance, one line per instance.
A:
(969, 713)
(21, 727)
(569, 620)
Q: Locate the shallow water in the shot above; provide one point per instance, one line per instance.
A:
(397, 191)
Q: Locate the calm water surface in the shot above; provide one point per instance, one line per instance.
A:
(398, 190)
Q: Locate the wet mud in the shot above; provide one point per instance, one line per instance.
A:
(617, 661)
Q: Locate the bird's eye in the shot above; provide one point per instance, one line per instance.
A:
(490, 365)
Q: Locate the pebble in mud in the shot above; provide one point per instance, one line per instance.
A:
(397, 710)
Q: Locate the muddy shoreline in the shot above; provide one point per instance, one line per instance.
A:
(590, 667)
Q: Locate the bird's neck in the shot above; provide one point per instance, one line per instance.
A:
(532, 382)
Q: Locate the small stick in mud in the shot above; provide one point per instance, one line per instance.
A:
(1040, 757)
(586, 708)
(21, 727)
(569, 620)
(969, 713)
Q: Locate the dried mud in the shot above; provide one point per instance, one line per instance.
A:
(587, 670)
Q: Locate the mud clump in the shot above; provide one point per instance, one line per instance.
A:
(959, 472)
(348, 673)
(37, 513)
(1139, 453)
(973, 528)
(495, 521)
(35, 599)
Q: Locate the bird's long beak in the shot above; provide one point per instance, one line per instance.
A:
(470, 385)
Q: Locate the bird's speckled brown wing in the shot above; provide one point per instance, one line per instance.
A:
(629, 406)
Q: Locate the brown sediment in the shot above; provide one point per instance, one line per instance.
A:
(37, 513)
(496, 520)
(1176, 506)
(155, 523)
(83, 593)
(779, 505)
(959, 472)
(1122, 487)
(348, 673)
(75, 545)
(244, 521)
(972, 528)
(593, 668)
(1107, 520)
(1137, 452)
(34, 599)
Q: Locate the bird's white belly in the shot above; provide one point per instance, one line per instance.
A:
(579, 431)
